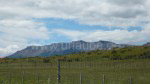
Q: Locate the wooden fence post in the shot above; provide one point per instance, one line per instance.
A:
(103, 81)
(9, 78)
(130, 80)
(49, 80)
(59, 77)
(80, 78)
(38, 78)
(22, 82)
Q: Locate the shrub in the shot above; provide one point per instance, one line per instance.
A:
(45, 60)
(114, 52)
(77, 59)
(69, 60)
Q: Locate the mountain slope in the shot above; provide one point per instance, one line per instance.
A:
(147, 44)
(65, 48)
(130, 52)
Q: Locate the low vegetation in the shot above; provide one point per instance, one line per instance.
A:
(118, 65)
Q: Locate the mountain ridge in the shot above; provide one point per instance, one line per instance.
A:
(65, 48)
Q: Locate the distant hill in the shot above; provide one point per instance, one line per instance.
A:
(65, 48)
(147, 44)
(126, 53)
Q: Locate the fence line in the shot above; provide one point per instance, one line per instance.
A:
(80, 78)
(61, 73)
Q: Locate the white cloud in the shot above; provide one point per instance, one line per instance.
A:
(95, 12)
(74, 35)
(118, 36)
(23, 28)
(8, 50)
(20, 32)
(17, 26)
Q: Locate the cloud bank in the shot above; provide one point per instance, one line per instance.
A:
(95, 12)
(19, 29)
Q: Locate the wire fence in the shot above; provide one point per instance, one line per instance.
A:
(76, 73)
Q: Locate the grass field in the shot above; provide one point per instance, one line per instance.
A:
(115, 71)
(130, 65)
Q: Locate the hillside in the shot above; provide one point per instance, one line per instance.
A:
(127, 53)
(65, 48)
(134, 52)
(118, 65)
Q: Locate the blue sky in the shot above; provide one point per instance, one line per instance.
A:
(52, 23)
(66, 24)
(42, 22)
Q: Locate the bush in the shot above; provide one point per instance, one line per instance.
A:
(114, 52)
(69, 60)
(77, 59)
(46, 60)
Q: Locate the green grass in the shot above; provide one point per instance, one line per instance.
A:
(115, 71)
(118, 66)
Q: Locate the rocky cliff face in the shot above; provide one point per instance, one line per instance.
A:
(147, 44)
(65, 48)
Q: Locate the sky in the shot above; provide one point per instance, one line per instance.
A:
(42, 22)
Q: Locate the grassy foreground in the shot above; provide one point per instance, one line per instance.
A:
(116, 72)
(117, 66)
